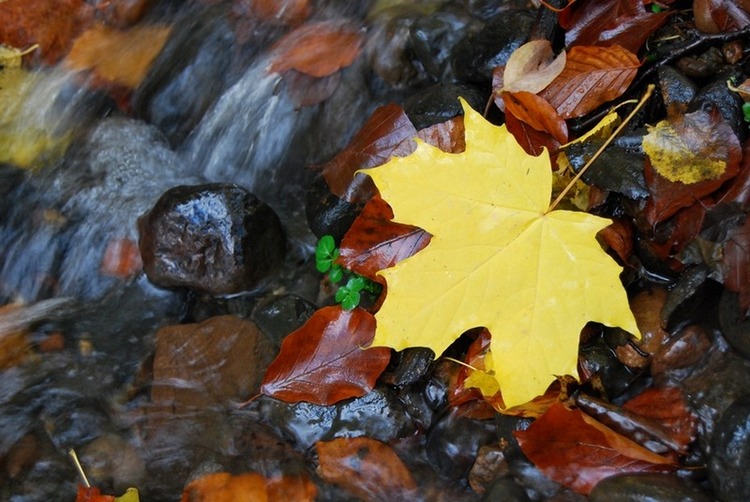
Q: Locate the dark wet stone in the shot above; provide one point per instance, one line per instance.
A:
(599, 359)
(475, 56)
(433, 37)
(71, 423)
(677, 91)
(505, 489)
(647, 487)
(326, 213)
(217, 238)
(282, 315)
(453, 443)
(717, 95)
(187, 75)
(734, 327)
(617, 169)
(305, 423)
(408, 366)
(439, 103)
(674, 360)
(112, 463)
(379, 414)
(537, 485)
(723, 378)
(730, 453)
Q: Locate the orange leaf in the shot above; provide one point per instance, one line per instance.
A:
(291, 12)
(317, 49)
(536, 112)
(324, 361)
(531, 140)
(366, 468)
(666, 406)
(122, 258)
(92, 494)
(592, 77)
(578, 452)
(121, 57)
(223, 487)
(375, 242)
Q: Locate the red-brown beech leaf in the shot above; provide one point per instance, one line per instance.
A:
(536, 112)
(609, 22)
(735, 264)
(291, 12)
(365, 468)
(374, 242)
(317, 49)
(325, 361)
(666, 406)
(531, 140)
(699, 148)
(592, 77)
(385, 133)
(577, 451)
(718, 16)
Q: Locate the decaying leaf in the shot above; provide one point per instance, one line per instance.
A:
(497, 259)
(120, 57)
(366, 468)
(536, 112)
(324, 361)
(693, 147)
(94, 494)
(592, 76)
(577, 451)
(532, 67)
(317, 49)
(250, 486)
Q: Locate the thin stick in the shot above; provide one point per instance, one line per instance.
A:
(463, 364)
(641, 102)
(72, 453)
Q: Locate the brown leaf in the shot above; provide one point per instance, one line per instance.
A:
(531, 68)
(536, 112)
(121, 57)
(50, 23)
(249, 486)
(325, 361)
(365, 468)
(609, 22)
(448, 135)
(695, 154)
(385, 133)
(122, 258)
(618, 237)
(578, 452)
(592, 77)
(667, 406)
(718, 16)
(290, 12)
(531, 140)
(375, 242)
(317, 49)
(735, 264)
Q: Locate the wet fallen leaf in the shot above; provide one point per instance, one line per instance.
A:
(291, 12)
(531, 140)
(122, 258)
(365, 468)
(735, 265)
(448, 135)
(531, 67)
(497, 259)
(325, 361)
(592, 76)
(93, 494)
(536, 112)
(385, 133)
(317, 49)
(121, 57)
(50, 23)
(577, 451)
(693, 147)
(250, 487)
(609, 22)
(667, 406)
(718, 16)
(375, 242)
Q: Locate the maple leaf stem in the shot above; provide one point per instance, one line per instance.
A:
(641, 102)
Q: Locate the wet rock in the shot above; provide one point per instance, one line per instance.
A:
(188, 74)
(734, 327)
(677, 91)
(282, 315)
(439, 103)
(477, 54)
(216, 238)
(328, 214)
(677, 357)
(647, 487)
(112, 463)
(433, 37)
(717, 95)
(505, 489)
(305, 423)
(379, 414)
(453, 443)
(720, 380)
(730, 453)
(209, 364)
(71, 423)
(408, 366)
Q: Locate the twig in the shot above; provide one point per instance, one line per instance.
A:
(72, 453)
(644, 98)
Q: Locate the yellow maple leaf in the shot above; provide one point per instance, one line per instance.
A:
(497, 259)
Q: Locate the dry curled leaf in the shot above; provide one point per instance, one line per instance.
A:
(532, 67)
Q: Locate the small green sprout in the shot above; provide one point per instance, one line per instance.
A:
(349, 294)
(746, 111)
(656, 9)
